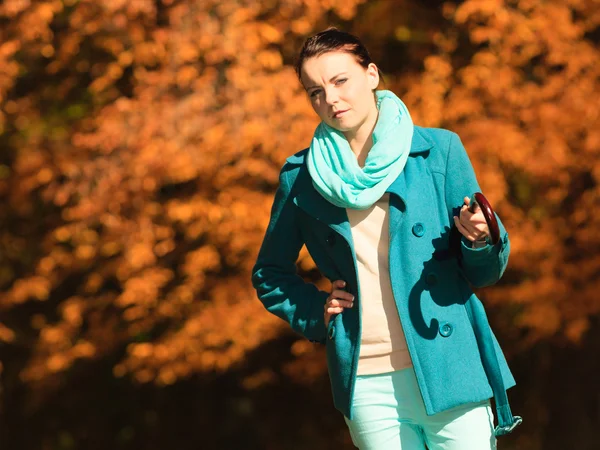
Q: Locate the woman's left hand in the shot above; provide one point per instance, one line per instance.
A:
(471, 225)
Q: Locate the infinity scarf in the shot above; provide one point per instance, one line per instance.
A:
(334, 168)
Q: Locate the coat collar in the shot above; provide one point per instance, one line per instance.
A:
(313, 203)
(420, 141)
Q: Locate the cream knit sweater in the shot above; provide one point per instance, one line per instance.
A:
(383, 345)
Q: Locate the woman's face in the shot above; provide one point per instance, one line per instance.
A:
(341, 90)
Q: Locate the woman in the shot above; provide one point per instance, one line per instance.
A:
(411, 357)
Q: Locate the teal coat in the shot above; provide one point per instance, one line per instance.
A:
(455, 355)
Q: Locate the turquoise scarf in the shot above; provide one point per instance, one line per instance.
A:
(334, 168)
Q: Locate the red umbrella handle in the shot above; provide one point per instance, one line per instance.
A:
(488, 213)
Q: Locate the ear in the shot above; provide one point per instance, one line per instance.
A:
(373, 75)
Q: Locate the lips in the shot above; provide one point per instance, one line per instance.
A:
(337, 114)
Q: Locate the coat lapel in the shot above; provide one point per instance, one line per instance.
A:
(313, 203)
(412, 175)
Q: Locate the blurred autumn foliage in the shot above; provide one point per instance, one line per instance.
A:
(141, 143)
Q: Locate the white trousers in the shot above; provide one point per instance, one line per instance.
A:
(390, 415)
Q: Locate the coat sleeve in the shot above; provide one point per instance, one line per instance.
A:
(274, 276)
(481, 266)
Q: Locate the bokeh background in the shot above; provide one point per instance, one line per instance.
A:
(141, 142)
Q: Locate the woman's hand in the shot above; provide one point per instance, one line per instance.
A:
(337, 300)
(472, 225)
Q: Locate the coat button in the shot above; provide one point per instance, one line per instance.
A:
(446, 329)
(418, 229)
(330, 239)
(431, 279)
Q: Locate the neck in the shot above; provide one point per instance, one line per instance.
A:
(361, 139)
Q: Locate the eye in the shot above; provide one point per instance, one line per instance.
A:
(341, 81)
(314, 93)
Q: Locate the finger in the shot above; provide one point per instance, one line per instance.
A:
(465, 232)
(475, 213)
(464, 212)
(338, 284)
(471, 226)
(473, 218)
(467, 201)
(342, 303)
(334, 310)
(343, 295)
(477, 217)
(475, 223)
(481, 228)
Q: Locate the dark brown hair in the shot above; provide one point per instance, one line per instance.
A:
(331, 40)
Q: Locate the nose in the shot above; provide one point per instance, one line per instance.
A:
(331, 96)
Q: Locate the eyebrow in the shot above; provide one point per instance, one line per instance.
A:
(330, 80)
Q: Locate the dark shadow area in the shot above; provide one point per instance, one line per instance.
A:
(443, 265)
(556, 394)
(93, 410)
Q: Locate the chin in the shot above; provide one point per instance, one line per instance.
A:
(346, 128)
(343, 127)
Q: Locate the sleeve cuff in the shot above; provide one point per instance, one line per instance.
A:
(479, 253)
(316, 331)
